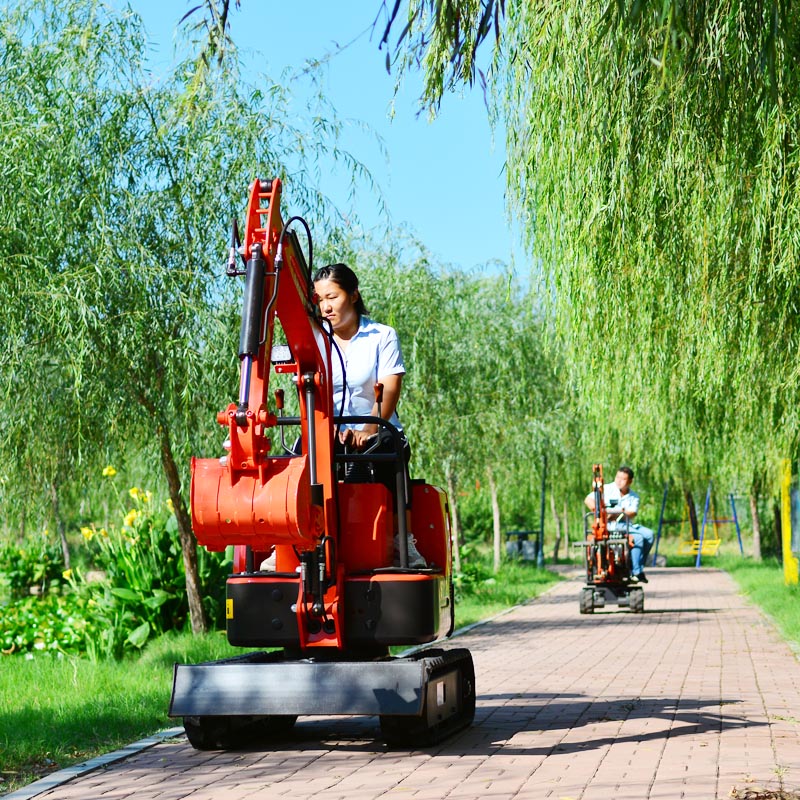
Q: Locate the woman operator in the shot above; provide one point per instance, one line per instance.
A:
(370, 353)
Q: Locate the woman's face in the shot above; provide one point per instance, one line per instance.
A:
(336, 305)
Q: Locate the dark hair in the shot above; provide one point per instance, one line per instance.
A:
(346, 279)
(627, 470)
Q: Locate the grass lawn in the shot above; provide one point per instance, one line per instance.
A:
(57, 712)
(762, 583)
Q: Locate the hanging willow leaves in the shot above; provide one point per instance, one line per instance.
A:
(656, 172)
(653, 161)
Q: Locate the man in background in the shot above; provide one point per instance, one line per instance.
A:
(623, 505)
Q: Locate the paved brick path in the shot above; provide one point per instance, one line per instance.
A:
(695, 698)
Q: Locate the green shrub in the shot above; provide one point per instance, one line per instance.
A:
(38, 562)
(476, 574)
(133, 589)
(53, 623)
(141, 591)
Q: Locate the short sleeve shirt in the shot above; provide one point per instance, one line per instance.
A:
(373, 353)
(627, 502)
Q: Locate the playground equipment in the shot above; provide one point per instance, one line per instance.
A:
(698, 543)
(608, 557)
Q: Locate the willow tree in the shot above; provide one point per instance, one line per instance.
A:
(652, 159)
(116, 203)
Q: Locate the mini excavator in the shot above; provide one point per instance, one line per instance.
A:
(316, 581)
(608, 557)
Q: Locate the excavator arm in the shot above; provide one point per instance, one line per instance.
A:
(246, 497)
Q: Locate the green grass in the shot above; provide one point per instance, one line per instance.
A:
(57, 712)
(517, 582)
(762, 583)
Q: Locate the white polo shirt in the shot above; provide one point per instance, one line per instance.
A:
(626, 502)
(373, 353)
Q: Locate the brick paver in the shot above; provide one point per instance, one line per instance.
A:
(696, 698)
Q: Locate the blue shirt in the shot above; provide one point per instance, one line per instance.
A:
(373, 353)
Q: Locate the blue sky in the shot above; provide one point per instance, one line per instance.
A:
(443, 178)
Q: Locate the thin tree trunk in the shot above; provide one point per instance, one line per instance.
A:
(455, 532)
(756, 525)
(566, 528)
(557, 543)
(197, 614)
(496, 534)
(776, 511)
(60, 527)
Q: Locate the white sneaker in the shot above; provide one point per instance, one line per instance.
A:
(268, 564)
(415, 559)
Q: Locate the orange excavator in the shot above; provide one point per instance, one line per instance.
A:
(608, 559)
(320, 583)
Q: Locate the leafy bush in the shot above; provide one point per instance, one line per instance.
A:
(38, 562)
(52, 623)
(475, 576)
(133, 590)
(142, 592)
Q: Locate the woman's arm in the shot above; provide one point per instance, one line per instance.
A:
(391, 394)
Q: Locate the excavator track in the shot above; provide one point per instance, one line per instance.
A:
(448, 706)
(229, 733)
(420, 699)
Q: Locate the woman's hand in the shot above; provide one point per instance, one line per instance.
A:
(359, 440)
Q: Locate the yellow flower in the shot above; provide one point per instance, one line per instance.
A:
(134, 492)
(67, 574)
(130, 517)
(171, 505)
(109, 471)
(146, 496)
(102, 532)
(87, 533)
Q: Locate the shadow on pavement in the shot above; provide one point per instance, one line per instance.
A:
(502, 717)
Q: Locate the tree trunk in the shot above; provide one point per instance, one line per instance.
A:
(455, 533)
(756, 525)
(197, 614)
(566, 528)
(496, 533)
(557, 543)
(60, 528)
(776, 511)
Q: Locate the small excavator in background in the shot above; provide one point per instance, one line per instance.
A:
(608, 556)
(315, 581)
